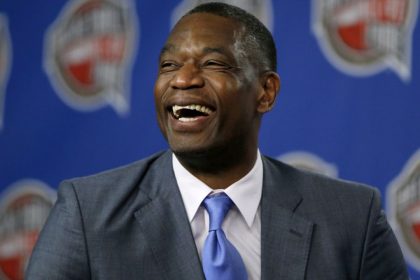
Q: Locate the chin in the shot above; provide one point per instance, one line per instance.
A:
(188, 145)
(188, 150)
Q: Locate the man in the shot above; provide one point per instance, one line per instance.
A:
(150, 219)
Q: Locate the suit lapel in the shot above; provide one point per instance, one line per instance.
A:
(164, 223)
(285, 236)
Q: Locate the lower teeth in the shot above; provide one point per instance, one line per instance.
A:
(187, 119)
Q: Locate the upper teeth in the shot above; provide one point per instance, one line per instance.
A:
(176, 109)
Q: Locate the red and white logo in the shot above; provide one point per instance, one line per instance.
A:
(23, 211)
(309, 162)
(5, 62)
(364, 37)
(89, 50)
(403, 198)
(262, 9)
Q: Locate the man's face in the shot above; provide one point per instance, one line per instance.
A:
(206, 91)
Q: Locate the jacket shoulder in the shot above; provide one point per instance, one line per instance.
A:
(121, 175)
(310, 182)
(121, 187)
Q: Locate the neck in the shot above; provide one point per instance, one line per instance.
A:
(219, 169)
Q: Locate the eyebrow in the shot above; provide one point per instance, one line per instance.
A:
(166, 48)
(220, 50)
(170, 47)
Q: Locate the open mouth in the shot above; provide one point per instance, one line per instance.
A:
(190, 112)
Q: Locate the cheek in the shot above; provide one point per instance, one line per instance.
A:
(226, 89)
(160, 88)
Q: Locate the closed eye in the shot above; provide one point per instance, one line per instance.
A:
(167, 66)
(216, 65)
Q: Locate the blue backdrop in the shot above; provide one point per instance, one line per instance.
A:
(76, 97)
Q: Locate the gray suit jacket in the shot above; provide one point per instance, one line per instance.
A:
(130, 223)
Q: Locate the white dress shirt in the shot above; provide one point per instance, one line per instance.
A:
(242, 224)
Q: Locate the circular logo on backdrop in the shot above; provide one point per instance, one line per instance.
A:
(363, 37)
(23, 211)
(310, 162)
(262, 9)
(404, 208)
(89, 51)
(5, 61)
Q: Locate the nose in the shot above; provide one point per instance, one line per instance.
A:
(186, 77)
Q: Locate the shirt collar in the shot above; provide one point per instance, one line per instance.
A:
(245, 193)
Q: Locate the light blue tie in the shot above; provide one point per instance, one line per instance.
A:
(221, 261)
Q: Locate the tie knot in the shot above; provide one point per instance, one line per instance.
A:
(217, 206)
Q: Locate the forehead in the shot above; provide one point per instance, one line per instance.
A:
(203, 30)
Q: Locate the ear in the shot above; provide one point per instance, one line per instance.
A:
(270, 86)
